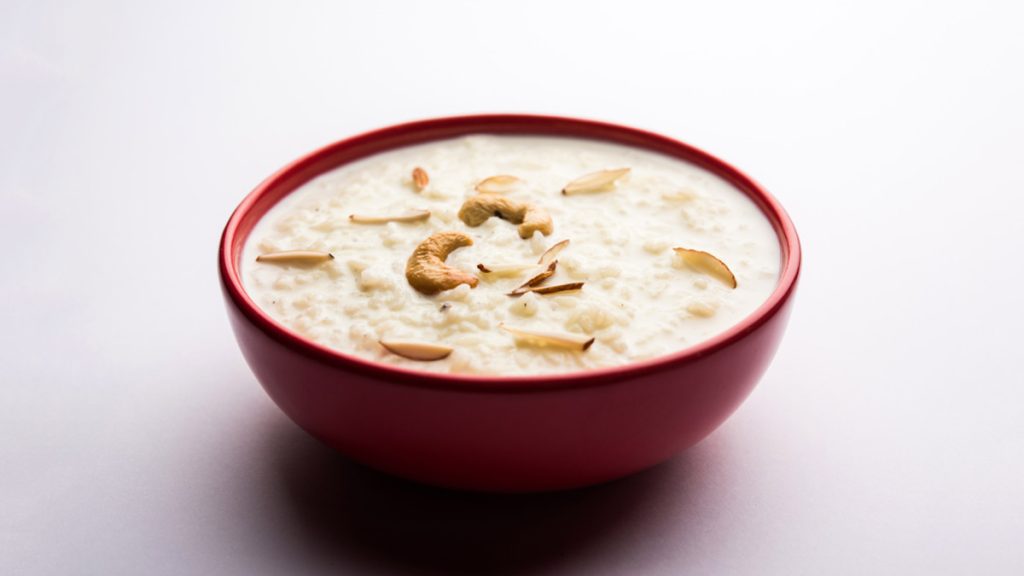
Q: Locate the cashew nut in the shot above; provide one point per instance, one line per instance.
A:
(426, 270)
(530, 218)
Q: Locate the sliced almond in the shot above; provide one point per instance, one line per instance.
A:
(684, 195)
(420, 178)
(421, 351)
(550, 254)
(558, 339)
(595, 181)
(700, 309)
(707, 264)
(547, 289)
(547, 273)
(414, 216)
(296, 257)
(499, 184)
(504, 269)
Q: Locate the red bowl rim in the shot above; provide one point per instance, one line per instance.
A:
(256, 204)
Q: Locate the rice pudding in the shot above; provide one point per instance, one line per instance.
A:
(512, 255)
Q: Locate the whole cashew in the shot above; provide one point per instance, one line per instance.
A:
(426, 270)
(477, 209)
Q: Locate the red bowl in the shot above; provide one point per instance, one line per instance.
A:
(504, 433)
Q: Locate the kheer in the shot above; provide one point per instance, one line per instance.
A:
(512, 255)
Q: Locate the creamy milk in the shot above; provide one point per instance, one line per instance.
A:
(639, 299)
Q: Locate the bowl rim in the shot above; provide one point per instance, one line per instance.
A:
(255, 205)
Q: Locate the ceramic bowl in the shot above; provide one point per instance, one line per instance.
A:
(504, 433)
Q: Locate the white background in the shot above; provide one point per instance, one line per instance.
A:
(887, 438)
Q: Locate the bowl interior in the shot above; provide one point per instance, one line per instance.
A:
(286, 180)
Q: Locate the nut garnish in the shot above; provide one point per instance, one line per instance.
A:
(422, 351)
(708, 264)
(558, 339)
(536, 280)
(499, 184)
(700, 309)
(306, 257)
(413, 216)
(504, 269)
(550, 254)
(547, 289)
(477, 209)
(426, 270)
(420, 178)
(684, 195)
(595, 181)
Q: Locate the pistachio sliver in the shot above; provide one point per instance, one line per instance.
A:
(421, 351)
(499, 184)
(296, 257)
(565, 340)
(708, 264)
(547, 289)
(550, 254)
(595, 181)
(413, 216)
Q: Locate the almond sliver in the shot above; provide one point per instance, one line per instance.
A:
(499, 184)
(706, 263)
(566, 340)
(547, 289)
(421, 351)
(414, 216)
(295, 257)
(595, 181)
(504, 269)
(536, 280)
(550, 254)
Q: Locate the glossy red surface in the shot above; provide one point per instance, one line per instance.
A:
(510, 433)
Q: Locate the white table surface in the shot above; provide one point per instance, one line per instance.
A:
(887, 437)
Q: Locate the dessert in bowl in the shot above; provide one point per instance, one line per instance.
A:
(509, 302)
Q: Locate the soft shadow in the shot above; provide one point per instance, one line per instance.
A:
(347, 514)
